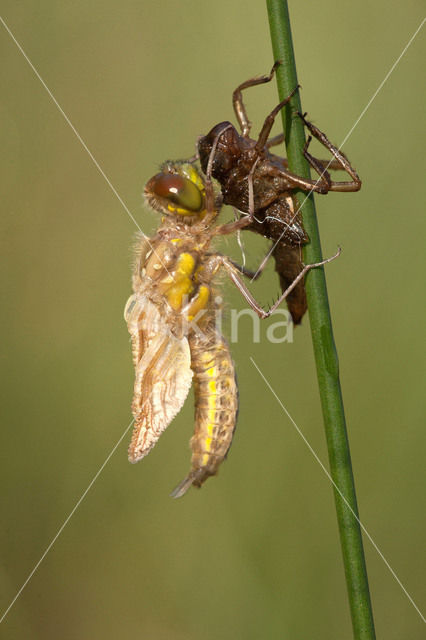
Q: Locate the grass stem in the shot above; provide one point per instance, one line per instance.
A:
(322, 338)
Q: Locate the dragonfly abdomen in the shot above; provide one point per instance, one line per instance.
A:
(216, 408)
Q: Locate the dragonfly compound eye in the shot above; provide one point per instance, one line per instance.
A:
(178, 190)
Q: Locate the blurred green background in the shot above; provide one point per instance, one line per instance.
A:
(255, 553)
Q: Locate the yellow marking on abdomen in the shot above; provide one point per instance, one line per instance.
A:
(216, 402)
(211, 415)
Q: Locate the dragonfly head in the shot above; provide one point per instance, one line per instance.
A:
(177, 191)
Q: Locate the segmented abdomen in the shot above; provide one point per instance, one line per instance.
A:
(216, 407)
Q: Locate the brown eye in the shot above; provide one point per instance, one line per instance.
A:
(178, 190)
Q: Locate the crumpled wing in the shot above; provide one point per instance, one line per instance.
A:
(163, 373)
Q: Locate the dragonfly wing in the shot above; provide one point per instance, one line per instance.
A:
(163, 374)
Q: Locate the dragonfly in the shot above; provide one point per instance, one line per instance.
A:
(171, 318)
(259, 184)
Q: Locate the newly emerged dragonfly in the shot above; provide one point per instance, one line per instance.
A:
(171, 319)
(239, 163)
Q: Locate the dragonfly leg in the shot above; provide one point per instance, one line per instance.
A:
(316, 164)
(340, 158)
(241, 286)
(237, 99)
(270, 119)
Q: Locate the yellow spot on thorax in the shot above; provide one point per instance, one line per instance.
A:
(199, 302)
(185, 264)
(181, 284)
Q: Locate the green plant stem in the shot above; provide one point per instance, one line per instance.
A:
(322, 338)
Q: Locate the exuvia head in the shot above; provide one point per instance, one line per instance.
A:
(227, 152)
